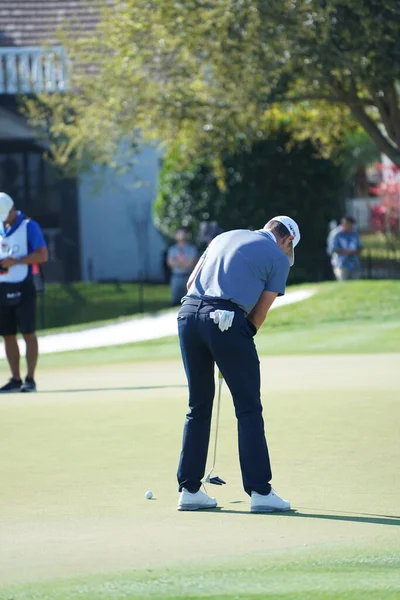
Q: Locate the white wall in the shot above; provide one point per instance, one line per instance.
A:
(360, 209)
(118, 236)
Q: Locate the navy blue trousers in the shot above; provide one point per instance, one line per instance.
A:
(202, 345)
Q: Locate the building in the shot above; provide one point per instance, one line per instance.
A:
(98, 226)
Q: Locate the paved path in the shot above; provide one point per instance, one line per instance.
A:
(137, 329)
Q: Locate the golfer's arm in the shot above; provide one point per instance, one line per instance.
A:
(196, 270)
(258, 314)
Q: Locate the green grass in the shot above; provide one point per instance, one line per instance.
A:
(78, 457)
(69, 304)
(98, 304)
(341, 302)
(377, 245)
(380, 241)
(361, 577)
(351, 317)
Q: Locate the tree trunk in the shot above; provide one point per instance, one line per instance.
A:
(381, 141)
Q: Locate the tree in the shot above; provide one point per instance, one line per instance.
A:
(259, 183)
(213, 74)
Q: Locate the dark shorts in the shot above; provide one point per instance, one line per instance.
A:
(21, 316)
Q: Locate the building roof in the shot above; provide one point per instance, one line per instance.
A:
(36, 22)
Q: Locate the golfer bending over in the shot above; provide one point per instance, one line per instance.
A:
(229, 294)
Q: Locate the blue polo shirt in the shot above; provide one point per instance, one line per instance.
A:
(349, 241)
(35, 236)
(238, 266)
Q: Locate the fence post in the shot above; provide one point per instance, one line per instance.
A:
(369, 265)
(388, 265)
(141, 293)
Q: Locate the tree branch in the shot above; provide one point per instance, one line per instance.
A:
(381, 141)
(384, 111)
(392, 97)
(332, 99)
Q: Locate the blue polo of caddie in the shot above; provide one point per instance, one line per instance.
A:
(34, 233)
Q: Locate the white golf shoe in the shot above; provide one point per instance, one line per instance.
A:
(196, 501)
(269, 503)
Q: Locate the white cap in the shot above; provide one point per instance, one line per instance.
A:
(6, 204)
(294, 230)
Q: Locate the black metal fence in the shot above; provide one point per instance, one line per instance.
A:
(375, 264)
(65, 305)
(380, 264)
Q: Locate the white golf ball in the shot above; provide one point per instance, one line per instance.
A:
(149, 495)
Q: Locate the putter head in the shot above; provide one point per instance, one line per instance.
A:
(216, 481)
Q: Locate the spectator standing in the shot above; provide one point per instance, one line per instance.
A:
(334, 228)
(22, 246)
(181, 259)
(345, 246)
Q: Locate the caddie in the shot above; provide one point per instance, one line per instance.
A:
(229, 295)
(22, 245)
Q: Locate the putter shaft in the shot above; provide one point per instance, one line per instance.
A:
(208, 478)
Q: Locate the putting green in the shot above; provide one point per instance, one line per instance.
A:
(78, 457)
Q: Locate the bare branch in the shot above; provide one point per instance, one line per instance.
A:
(393, 100)
(381, 141)
(384, 111)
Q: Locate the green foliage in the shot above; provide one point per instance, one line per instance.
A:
(260, 182)
(358, 150)
(187, 194)
(213, 74)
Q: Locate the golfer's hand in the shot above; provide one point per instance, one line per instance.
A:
(8, 262)
(258, 314)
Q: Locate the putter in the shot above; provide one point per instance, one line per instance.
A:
(209, 479)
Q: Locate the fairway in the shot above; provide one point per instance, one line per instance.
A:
(78, 457)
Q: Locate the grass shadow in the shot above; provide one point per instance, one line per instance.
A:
(393, 521)
(75, 295)
(113, 389)
(350, 518)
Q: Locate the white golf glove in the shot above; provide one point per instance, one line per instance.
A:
(223, 318)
